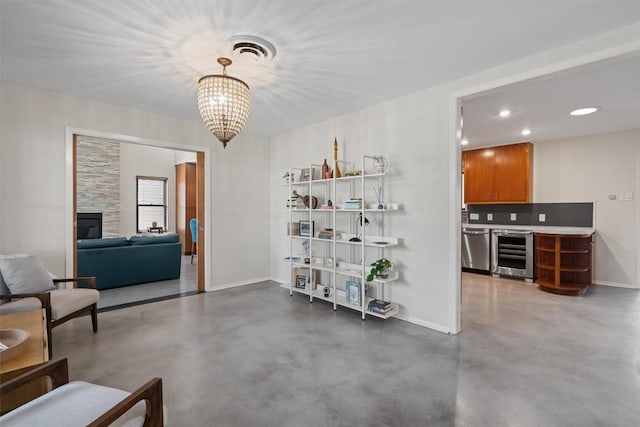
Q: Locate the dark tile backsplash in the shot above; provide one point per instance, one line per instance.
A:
(557, 214)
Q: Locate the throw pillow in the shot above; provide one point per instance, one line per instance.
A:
(25, 275)
(4, 290)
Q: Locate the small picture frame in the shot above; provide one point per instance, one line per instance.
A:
(306, 174)
(353, 293)
(300, 278)
(306, 228)
(301, 281)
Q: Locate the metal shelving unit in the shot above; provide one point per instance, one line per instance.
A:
(351, 259)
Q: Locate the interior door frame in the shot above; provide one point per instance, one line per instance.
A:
(637, 197)
(203, 208)
(455, 151)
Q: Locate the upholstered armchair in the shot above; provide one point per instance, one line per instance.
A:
(25, 284)
(80, 403)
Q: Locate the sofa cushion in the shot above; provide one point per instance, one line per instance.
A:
(74, 404)
(153, 239)
(24, 275)
(66, 301)
(107, 242)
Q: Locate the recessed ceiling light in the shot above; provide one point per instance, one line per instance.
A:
(464, 142)
(584, 111)
(505, 113)
(525, 132)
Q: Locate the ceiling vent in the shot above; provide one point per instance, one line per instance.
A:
(251, 49)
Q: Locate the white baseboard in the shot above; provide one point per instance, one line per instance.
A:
(236, 284)
(415, 321)
(616, 284)
(425, 324)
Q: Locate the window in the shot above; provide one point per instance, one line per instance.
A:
(151, 202)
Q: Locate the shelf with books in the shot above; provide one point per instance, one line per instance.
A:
(356, 239)
(384, 313)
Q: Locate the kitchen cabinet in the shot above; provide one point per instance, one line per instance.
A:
(564, 263)
(185, 203)
(498, 174)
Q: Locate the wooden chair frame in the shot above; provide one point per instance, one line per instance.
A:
(58, 372)
(45, 300)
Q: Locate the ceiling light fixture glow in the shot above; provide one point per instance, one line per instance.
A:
(583, 111)
(464, 142)
(223, 102)
(525, 132)
(505, 113)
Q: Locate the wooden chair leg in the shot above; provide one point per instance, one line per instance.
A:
(94, 317)
(49, 339)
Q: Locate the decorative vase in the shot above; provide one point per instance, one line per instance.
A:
(325, 169)
(337, 173)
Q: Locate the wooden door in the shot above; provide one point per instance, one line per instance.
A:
(513, 180)
(479, 176)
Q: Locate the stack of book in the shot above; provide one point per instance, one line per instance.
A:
(379, 306)
(353, 204)
(325, 234)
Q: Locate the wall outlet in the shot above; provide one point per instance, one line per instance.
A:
(474, 216)
(489, 217)
(542, 217)
(513, 217)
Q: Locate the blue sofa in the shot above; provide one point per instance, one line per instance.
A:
(118, 261)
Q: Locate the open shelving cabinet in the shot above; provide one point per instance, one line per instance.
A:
(337, 259)
(564, 263)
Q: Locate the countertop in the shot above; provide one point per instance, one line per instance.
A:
(535, 228)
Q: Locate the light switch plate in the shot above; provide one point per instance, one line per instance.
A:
(474, 216)
(626, 196)
(489, 217)
(542, 217)
(513, 217)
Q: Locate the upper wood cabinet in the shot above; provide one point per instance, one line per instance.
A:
(498, 174)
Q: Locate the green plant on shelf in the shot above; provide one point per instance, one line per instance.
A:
(380, 268)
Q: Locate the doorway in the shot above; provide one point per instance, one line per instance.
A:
(129, 212)
(546, 73)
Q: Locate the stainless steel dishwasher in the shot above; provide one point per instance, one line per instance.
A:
(476, 249)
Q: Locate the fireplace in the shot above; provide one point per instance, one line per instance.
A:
(89, 225)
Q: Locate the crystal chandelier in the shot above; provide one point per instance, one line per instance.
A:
(223, 102)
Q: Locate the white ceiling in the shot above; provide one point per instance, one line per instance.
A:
(543, 105)
(333, 56)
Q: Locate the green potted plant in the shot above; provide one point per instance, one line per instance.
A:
(380, 268)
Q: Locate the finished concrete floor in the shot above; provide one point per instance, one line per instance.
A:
(253, 356)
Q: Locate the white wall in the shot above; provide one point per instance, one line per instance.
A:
(142, 160)
(184, 157)
(590, 168)
(32, 180)
(417, 134)
(411, 133)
